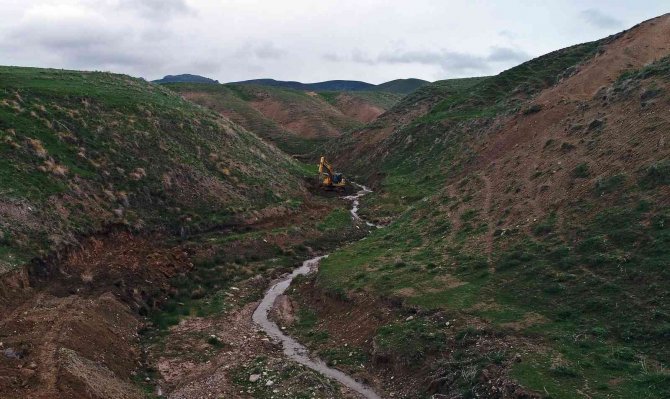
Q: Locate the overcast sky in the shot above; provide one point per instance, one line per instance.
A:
(305, 40)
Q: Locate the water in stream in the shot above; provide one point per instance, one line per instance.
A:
(292, 348)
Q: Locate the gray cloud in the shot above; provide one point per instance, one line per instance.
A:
(268, 50)
(84, 39)
(298, 39)
(157, 9)
(449, 61)
(66, 34)
(507, 54)
(507, 34)
(265, 50)
(600, 20)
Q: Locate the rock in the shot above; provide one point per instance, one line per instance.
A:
(254, 377)
(269, 383)
(11, 353)
(409, 318)
(32, 365)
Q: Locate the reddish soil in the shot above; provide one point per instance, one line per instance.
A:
(540, 151)
(67, 330)
(354, 322)
(191, 368)
(357, 108)
(309, 120)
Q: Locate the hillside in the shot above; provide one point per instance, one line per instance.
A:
(398, 86)
(81, 151)
(403, 86)
(127, 211)
(296, 121)
(528, 242)
(185, 78)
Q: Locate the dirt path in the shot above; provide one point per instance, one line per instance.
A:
(488, 199)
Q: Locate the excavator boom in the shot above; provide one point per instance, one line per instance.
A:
(328, 178)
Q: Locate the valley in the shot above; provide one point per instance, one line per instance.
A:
(514, 244)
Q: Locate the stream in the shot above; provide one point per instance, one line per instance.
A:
(292, 348)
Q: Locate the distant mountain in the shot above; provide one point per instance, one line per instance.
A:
(185, 78)
(402, 86)
(330, 85)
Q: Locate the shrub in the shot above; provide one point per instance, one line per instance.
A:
(545, 227)
(609, 184)
(533, 109)
(564, 371)
(581, 171)
(656, 175)
(214, 341)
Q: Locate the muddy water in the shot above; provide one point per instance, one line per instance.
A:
(292, 348)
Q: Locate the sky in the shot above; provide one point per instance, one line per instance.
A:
(305, 40)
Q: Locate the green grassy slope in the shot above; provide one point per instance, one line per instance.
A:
(402, 86)
(81, 150)
(296, 121)
(232, 101)
(382, 100)
(454, 103)
(539, 229)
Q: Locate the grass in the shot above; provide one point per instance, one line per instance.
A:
(600, 280)
(237, 102)
(89, 144)
(656, 175)
(609, 184)
(339, 218)
(409, 342)
(585, 282)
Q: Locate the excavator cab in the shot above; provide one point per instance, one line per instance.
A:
(328, 178)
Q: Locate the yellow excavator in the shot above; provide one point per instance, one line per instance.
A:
(328, 179)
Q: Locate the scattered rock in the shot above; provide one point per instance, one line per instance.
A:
(10, 353)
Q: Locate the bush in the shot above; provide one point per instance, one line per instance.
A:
(656, 175)
(533, 109)
(609, 184)
(581, 171)
(564, 371)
